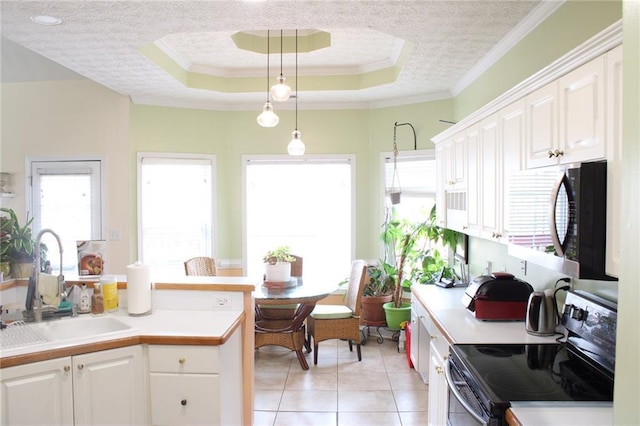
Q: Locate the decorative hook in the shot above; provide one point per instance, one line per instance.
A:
(396, 124)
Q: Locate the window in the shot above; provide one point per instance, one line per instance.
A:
(305, 203)
(176, 194)
(66, 197)
(417, 175)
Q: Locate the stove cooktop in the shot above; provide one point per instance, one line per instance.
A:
(538, 372)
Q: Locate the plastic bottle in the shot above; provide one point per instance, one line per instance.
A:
(97, 301)
(85, 300)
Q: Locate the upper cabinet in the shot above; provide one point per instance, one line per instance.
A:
(566, 118)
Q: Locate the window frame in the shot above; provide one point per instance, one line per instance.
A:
(177, 156)
(279, 158)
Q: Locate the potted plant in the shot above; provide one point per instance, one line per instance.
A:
(18, 245)
(378, 290)
(278, 264)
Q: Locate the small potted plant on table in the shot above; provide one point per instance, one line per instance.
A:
(18, 245)
(278, 264)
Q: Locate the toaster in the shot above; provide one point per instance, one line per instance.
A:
(497, 297)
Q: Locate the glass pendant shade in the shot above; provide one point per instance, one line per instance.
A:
(268, 118)
(280, 92)
(296, 146)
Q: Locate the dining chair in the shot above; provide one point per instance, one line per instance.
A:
(340, 321)
(283, 312)
(201, 266)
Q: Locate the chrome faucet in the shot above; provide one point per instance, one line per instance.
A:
(35, 308)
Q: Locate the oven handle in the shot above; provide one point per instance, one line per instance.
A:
(458, 395)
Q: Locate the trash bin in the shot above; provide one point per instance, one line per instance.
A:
(408, 343)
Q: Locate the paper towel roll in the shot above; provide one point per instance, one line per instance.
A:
(138, 289)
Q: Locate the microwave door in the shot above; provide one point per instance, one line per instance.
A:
(561, 216)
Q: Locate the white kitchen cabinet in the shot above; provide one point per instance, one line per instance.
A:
(542, 126)
(613, 61)
(40, 393)
(105, 387)
(513, 127)
(474, 178)
(438, 391)
(566, 118)
(491, 178)
(582, 113)
(451, 164)
(196, 385)
(420, 339)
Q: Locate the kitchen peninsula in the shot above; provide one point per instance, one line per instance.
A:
(201, 325)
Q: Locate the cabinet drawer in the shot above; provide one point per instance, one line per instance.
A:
(183, 359)
(185, 399)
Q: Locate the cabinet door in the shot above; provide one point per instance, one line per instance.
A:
(40, 393)
(441, 190)
(109, 387)
(614, 157)
(474, 179)
(490, 182)
(542, 126)
(185, 399)
(438, 395)
(582, 113)
(512, 123)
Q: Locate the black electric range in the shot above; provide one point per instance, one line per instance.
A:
(485, 379)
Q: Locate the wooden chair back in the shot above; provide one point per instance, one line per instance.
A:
(201, 266)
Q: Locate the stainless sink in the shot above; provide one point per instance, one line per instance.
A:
(78, 328)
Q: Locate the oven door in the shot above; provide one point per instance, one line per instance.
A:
(464, 407)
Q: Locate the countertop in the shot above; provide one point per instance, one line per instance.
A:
(459, 326)
(159, 327)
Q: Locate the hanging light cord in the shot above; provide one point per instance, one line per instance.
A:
(268, 42)
(415, 144)
(296, 77)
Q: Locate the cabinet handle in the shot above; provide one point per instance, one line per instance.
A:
(550, 154)
(183, 402)
(439, 369)
(66, 368)
(465, 227)
(433, 337)
(181, 361)
(558, 153)
(80, 366)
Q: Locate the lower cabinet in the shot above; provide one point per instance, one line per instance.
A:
(98, 388)
(438, 392)
(196, 385)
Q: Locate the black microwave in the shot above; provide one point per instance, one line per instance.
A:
(557, 217)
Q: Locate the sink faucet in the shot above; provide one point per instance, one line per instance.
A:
(36, 310)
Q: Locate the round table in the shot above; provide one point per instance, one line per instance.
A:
(288, 330)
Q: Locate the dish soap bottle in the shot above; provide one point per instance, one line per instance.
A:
(97, 301)
(85, 300)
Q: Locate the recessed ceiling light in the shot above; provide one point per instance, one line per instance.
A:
(46, 20)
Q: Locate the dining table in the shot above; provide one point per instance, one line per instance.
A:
(297, 300)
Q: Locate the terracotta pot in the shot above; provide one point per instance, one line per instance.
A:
(372, 311)
(21, 270)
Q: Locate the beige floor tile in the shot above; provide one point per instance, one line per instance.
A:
(406, 380)
(266, 400)
(366, 381)
(312, 380)
(396, 363)
(266, 379)
(367, 365)
(408, 400)
(414, 418)
(309, 400)
(273, 360)
(264, 418)
(368, 419)
(289, 418)
(365, 401)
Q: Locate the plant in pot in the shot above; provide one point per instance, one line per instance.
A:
(18, 245)
(378, 290)
(278, 264)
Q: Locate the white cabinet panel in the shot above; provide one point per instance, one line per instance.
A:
(438, 392)
(185, 399)
(542, 126)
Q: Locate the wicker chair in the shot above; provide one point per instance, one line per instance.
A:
(201, 266)
(282, 312)
(340, 321)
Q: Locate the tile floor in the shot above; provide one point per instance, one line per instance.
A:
(339, 391)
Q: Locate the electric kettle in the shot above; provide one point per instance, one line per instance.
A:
(542, 316)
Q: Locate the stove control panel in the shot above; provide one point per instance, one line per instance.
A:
(591, 323)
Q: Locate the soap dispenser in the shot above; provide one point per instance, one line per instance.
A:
(85, 300)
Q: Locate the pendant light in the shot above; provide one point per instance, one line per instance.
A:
(280, 92)
(296, 146)
(268, 118)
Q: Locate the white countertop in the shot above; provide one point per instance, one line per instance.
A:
(166, 323)
(460, 326)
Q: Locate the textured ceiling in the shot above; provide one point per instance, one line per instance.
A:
(448, 44)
